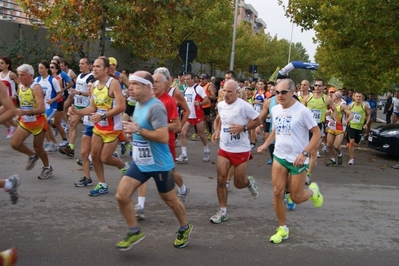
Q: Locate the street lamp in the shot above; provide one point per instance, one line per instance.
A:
(233, 45)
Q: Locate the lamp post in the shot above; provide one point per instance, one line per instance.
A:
(233, 45)
(289, 51)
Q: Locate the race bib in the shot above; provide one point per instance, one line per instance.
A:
(356, 117)
(81, 101)
(189, 98)
(103, 122)
(316, 115)
(142, 154)
(28, 118)
(231, 140)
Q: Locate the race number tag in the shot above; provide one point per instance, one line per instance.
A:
(142, 154)
(81, 101)
(28, 118)
(102, 122)
(316, 115)
(189, 98)
(356, 117)
(231, 140)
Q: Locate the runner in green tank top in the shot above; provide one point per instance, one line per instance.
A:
(318, 103)
(361, 116)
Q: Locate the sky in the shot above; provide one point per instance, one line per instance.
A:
(277, 23)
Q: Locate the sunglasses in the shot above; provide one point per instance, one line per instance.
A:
(282, 92)
(318, 85)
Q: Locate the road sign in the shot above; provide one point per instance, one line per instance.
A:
(188, 51)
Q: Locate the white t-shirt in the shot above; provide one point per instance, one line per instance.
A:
(395, 102)
(189, 95)
(292, 127)
(48, 89)
(238, 113)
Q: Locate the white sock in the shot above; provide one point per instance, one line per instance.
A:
(141, 201)
(332, 159)
(313, 191)
(90, 159)
(7, 185)
(103, 184)
(223, 209)
(184, 150)
(182, 189)
(285, 228)
(206, 148)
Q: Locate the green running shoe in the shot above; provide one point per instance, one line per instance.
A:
(280, 235)
(182, 237)
(331, 163)
(317, 198)
(130, 240)
(340, 160)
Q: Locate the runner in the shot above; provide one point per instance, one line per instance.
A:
(292, 123)
(231, 127)
(151, 158)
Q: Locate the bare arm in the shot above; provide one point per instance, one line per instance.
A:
(116, 92)
(7, 110)
(183, 104)
(349, 114)
(174, 124)
(123, 79)
(160, 135)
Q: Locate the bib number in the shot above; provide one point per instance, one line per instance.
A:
(102, 122)
(142, 154)
(80, 101)
(356, 117)
(316, 115)
(28, 118)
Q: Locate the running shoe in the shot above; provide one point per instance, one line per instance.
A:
(307, 180)
(340, 159)
(84, 181)
(51, 148)
(324, 149)
(64, 143)
(318, 155)
(270, 161)
(331, 163)
(182, 158)
(194, 136)
(130, 240)
(253, 146)
(253, 188)
(123, 148)
(219, 217)
(317, 198)
(207, 156)
(124, 169)
(139, 212)
(351, 162)
(8, 257)
(16, 181)
(210, 136)
(183, 197)
(98, 190)
(79, 162)
(46, 173)
(10, 132)
(228, 186)
(280, 235)
(396, 166)
(289, 204)
(115, 154)
(32, 161)
(183, 236)
(66, 150)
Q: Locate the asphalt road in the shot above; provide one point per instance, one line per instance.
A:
(55, 223)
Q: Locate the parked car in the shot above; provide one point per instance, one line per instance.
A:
(385, 138)
(381, 103)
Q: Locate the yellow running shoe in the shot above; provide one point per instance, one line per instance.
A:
(317, 198)
(280, 235)
(194, 136)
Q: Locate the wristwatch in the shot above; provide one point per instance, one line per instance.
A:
(138, 131)
(245, 128)
(305, 153)
(103, 117)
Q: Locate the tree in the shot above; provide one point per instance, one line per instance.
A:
(358, 39)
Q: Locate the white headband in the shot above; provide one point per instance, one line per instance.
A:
(140, 79)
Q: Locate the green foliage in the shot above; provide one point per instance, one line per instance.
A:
(358, 40)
